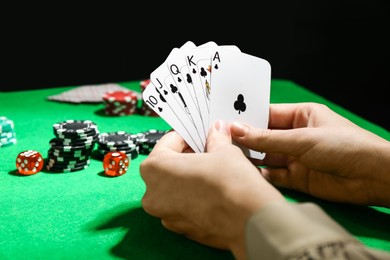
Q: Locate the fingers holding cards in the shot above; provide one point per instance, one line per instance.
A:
(205, 83)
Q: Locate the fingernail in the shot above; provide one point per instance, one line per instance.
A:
(239, 129)
(221, 126)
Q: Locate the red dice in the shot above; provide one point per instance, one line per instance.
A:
(115, 163)
(29, 162)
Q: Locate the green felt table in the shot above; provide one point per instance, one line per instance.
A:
(85, 215)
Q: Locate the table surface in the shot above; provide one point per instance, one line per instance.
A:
(85, 215)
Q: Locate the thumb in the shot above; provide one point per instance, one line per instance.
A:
(219, 136)
(291, 141)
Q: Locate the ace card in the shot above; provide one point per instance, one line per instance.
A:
(240, 91)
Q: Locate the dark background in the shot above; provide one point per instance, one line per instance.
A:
(338, 49)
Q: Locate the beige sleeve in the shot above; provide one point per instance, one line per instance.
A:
(284, 230)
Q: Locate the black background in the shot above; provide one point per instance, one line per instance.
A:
(338, 49)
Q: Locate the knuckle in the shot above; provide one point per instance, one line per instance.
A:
(148, 205)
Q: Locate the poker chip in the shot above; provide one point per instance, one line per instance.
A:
(78, 142)
(149, 140)
(54, 164)
(115, 139)
(118, 141)
(72, 164)
(72, 147)
(77, 136)
(57, 144)
(120, 102)
(75, 128)
(7, 132)
(65, 170)
(67, 161)
(71, 154)
(144, 83)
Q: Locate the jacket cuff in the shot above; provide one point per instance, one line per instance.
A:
(283, 229)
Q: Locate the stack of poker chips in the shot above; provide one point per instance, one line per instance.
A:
(149, 139)
(120, 102)
(7, 132)
(145, 109)
(118, 141)
(72, 147)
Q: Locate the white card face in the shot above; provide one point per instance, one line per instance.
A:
(154, 99)
(200, 53)
(166, 86)
(176, 64)
(240, 91)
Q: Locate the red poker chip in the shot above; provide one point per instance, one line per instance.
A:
(121, 96)
(120, 103)
(147, 111)
(144, 83)
(120, 113)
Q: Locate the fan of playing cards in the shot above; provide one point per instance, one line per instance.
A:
(199, 85)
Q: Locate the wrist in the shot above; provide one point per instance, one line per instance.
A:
(380, 172)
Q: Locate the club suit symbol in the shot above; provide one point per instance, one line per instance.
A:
(239, 104)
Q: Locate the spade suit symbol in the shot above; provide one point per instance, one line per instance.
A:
(161, 96)
(239, 104)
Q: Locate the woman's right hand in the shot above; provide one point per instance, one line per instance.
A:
(311, 149)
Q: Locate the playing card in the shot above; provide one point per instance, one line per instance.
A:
(198, 85)
(166, 85)
(240, 90)
(177, 66)
(193, 55)
(182, 125)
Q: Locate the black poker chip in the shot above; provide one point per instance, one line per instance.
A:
(65, 169)
(116, 139)
(67, 161)
(130, 147)
(92, 135)
(72, 147)
(149, 140)
(55, 163)
(131, 150)
(69, 154)
(74, 127)
(78, 142)
(57, 144)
